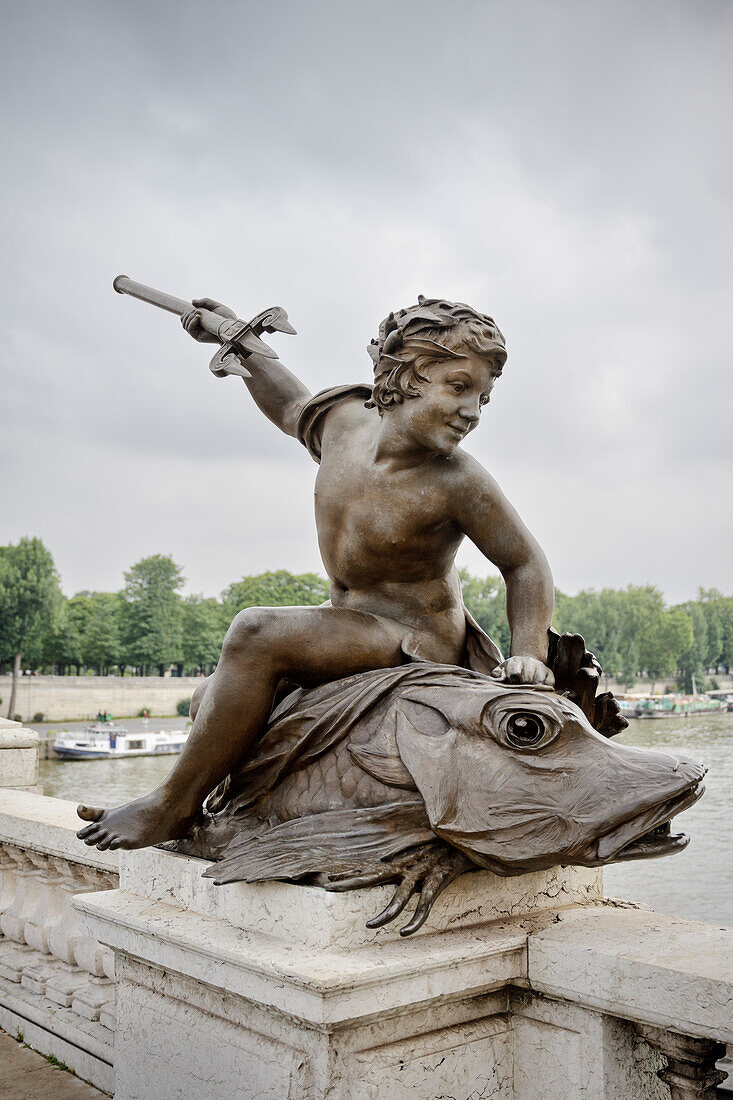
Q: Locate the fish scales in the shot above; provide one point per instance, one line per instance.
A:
(331, 782)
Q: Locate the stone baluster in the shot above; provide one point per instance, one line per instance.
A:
(8, 880)
(50, 903)
(690, 1071)
(96, 999)
(15, 952)
(79, 957)
(64, 937)
(13, 919)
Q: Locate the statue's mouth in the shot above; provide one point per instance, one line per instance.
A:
(649, 834)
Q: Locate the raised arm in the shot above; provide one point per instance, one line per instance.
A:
(275, 389)
(490, 521)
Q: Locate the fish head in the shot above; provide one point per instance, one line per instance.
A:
(518, 779)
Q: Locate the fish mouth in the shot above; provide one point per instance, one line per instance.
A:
(649, 834)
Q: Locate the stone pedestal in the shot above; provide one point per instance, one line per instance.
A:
(18, 757)
(279, 991)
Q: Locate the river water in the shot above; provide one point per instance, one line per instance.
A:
(695, 883)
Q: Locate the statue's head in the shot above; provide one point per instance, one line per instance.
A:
(414, 339)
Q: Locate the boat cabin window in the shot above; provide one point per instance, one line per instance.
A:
(136, 744)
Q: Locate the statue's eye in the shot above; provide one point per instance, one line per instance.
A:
(458, 387)
(524, 730)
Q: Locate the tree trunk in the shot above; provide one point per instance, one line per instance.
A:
(14, 688)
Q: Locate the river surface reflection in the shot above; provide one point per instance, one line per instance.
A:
(696, 883)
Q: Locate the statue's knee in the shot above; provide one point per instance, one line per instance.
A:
(251, 627)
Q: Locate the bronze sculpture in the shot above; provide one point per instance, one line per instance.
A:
(395, 495)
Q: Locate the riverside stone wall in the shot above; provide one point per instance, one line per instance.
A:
(64, 698)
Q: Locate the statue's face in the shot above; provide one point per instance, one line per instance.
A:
(450, 403)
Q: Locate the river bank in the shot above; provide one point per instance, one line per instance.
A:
(79, 698)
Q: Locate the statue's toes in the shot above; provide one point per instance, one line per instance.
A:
(91, 838)
(89, 813)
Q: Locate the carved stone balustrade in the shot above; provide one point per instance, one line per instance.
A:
(162, 985)
(690, 1070)
(57, 984)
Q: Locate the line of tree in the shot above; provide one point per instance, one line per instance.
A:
(149, 626)
(631, 630)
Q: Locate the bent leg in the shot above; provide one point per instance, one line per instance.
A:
(309, 645)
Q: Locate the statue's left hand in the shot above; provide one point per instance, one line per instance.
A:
(524, 670)
(191, 321)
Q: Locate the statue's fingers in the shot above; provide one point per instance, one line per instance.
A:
(548, 677)
(215, 307)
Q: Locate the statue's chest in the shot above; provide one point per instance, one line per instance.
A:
(378, 508)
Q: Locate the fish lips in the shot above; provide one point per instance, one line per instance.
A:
(648, 834)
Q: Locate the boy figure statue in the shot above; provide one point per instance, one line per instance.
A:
(395, 496)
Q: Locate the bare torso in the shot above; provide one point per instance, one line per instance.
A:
(387, 537)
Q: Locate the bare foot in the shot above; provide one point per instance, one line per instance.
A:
(139, 824)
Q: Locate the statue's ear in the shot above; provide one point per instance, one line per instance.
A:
(430, 759)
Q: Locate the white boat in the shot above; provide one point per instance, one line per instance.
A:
(102, 742)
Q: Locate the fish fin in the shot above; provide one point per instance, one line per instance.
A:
(387, 768)
(429, 760)
(333, 842)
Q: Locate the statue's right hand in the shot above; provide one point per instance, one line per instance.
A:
(191, 321)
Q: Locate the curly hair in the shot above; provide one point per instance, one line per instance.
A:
(432, 331)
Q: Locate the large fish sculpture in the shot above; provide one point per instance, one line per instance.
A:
(415, 774)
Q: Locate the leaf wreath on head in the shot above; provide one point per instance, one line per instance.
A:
(412, 322)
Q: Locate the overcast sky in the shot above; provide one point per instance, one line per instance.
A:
(564, 166)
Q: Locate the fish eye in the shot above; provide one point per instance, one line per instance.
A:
(524, 730)
(522, 720)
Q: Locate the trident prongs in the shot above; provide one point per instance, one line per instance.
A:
(242, 339)
(274, 319)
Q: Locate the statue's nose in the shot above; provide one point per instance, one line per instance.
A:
(470, 416)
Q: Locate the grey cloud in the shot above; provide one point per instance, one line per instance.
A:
(566, 167)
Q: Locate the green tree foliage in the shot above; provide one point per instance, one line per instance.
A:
(65, 648)
(602, 620)
(278, 589)
(204, 627)
(152, 616)
(667, 637)
(692, 661)
(148, 625)
(30, 601)
(101, 642)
